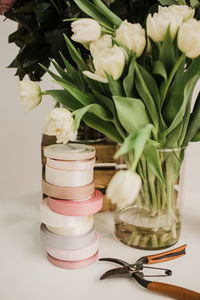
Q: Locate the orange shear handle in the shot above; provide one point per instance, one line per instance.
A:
(173, 291)
(165, 256)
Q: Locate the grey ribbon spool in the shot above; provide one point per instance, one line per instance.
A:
(64, 242)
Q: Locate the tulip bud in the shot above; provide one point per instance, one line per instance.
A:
(111, 61)
(132, 36)
(30, 94)
(123, 188)
(60, 122)
(105, 41)
(189, 38)
(85, 30)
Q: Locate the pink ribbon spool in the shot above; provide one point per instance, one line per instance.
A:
(76, 254)
(68, 193)
(73, 264)
(77, 208)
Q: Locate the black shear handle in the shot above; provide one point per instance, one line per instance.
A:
(172, 291)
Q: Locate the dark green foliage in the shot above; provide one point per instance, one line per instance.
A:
(40, 34)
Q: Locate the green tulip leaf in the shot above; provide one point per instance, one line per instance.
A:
(159, 69)
(107, 128)
(129, 79)
(65, 98)
(135, 142)
(131, 113)
(107, 12)
(194, 122)
(175, 95)
(95, 13)
(152, 156)
(60, 71)
(188, 90)
(167, 52)
(115, 86)
(75, 55)
(196, 138)
(95, 109)
(107, 102)
(73, 74)
(58, 79)
(83, 98)
(148, 92)
(172, 140)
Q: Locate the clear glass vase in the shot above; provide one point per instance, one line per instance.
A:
(153, 221)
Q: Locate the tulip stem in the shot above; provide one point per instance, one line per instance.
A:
(119, 129)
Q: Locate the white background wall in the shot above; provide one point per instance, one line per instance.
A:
(20, 132)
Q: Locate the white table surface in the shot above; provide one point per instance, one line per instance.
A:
(25, 273)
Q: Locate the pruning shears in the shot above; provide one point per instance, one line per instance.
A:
(135, 271)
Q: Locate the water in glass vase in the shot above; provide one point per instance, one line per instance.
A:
(135, 227)
(153, 221)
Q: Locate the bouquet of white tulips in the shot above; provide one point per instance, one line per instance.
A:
(136, 87)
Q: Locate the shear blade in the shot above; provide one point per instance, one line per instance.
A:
(117, 272)
(116, 260)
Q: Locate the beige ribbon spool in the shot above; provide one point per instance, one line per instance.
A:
(68, 178)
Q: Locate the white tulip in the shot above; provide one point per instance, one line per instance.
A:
(123, 188)
(173, 15)
(110, 60)
(85, 30)
(132, 36)
(30, 94)
(189, 38)
(158, 23)
(60, 122)
(184, 11)
(105, 41)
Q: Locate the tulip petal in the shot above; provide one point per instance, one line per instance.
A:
(95, 76)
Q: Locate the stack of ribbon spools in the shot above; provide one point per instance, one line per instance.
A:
(67, 228)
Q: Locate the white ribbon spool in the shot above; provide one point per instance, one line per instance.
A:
(75, 230)
(73, 224)
(68, 178)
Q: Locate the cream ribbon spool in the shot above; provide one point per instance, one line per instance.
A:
(68, 178)
(73, 225)
(69, 151)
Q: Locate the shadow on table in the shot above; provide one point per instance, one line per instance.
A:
(104, 224)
